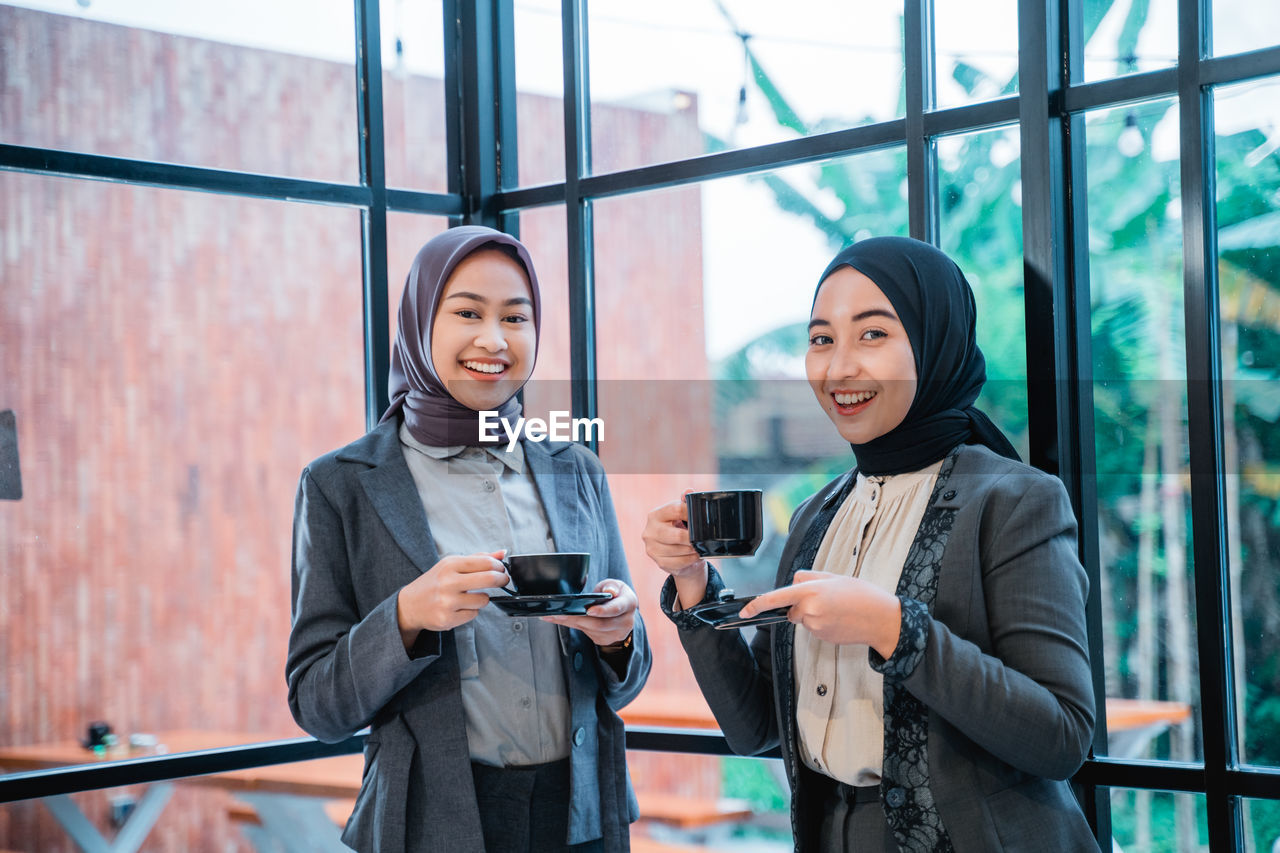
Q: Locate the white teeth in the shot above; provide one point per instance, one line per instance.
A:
(482, 367)
(850, 399)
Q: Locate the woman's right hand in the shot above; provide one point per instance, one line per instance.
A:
(446, 595)
(666, 541)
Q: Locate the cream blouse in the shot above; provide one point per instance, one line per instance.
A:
(839, 697)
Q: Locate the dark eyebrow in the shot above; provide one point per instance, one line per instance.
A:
(858, 318)
(875, 312)
(475, 297)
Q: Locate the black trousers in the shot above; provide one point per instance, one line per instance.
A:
(526, 809)
(853, 821)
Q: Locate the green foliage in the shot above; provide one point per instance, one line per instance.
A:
(749, 779)
(1138, 352)
(1164, 838)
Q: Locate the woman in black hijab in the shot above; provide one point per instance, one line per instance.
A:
(930, 689)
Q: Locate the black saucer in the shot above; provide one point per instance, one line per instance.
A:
(723, 614)
(574, 604)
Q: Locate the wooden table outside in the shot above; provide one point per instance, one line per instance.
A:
(1131, 723)
(289, 798)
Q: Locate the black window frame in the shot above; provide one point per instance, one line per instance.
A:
(1049, 108)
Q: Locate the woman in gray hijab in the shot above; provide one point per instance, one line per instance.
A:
(488, 731)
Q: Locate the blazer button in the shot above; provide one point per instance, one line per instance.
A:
(579, 735)
(949, 494)
(577, 661)
(895, 797)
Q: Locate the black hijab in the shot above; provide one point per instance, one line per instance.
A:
(935, 304)
(433, 416)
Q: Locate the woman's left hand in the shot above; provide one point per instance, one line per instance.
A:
(838, 609)
(608, 622)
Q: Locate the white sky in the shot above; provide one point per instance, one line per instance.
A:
(835, 59)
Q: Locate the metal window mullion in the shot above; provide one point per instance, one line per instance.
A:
(505, 90)
(1056, 293)
(922, 181)
(373, 174)
(578, 212)
(1204, 425)
(1084, 447)
(478, 81)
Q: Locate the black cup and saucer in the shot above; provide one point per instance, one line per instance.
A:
(547, 585)
(728, 523)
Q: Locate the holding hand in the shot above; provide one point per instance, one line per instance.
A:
(666, 541)
(838, 609)
(609, 622)
(448, 594)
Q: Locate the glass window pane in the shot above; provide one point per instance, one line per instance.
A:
(707, 802)
(173, 360)
(731, 76)
(303, 805)
(1140, 428)
(702, 297)
(540, 91)
(1248, 194)
(1262, 825)
(1124, 38)
(1156, 820)
(980, 199)
(542, 230)
(236, 85)
(974, 63)
(1240, 25)
(413, 93)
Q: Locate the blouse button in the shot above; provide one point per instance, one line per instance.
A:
(822, 690)
(488, 486)
(517, 625)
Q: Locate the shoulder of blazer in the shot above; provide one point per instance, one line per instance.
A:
(996, 487)
(376, 447)
(996, 470)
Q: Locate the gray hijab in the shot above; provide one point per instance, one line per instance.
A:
(433, 416)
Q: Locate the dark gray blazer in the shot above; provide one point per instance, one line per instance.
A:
(360, 534)
(989, 698)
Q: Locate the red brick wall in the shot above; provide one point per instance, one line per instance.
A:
(174, 359)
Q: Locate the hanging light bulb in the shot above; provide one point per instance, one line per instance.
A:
(1130, 142)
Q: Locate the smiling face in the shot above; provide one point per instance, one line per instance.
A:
(482, 339)
(860, 363)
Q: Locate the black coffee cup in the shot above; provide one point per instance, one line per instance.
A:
(548, 574)
(728, 523)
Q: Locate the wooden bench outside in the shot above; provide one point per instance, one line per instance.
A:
(690, 812)
(337, 810)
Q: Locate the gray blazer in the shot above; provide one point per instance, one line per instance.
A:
(360, 534)
(988, 697)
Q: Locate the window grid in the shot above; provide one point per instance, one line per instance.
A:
(484, 187)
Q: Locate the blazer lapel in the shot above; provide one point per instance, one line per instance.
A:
(390, 489)
(555, 477)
